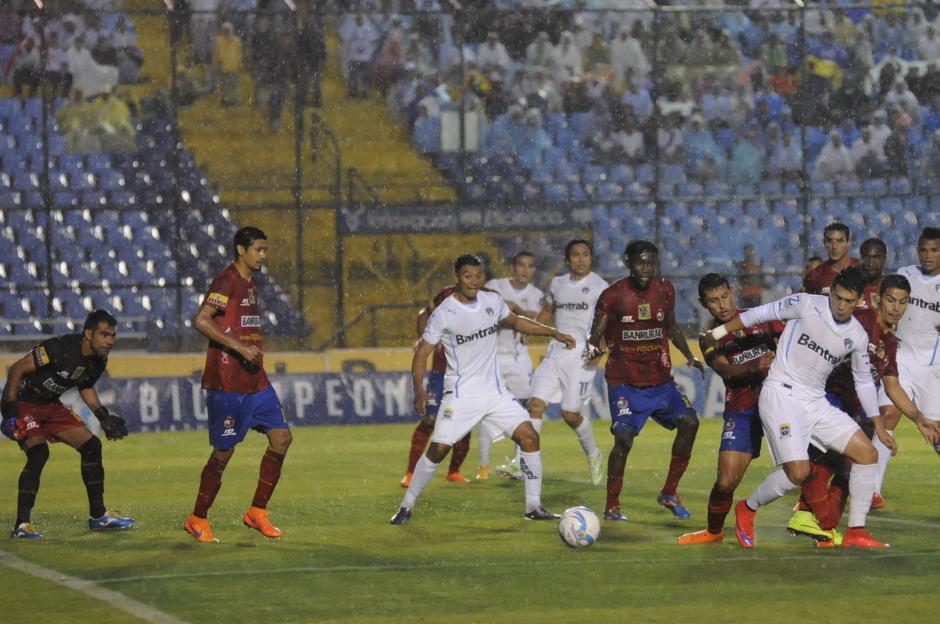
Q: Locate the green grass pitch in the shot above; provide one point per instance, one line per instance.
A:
(467, 555)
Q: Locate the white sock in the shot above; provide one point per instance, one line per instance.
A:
(884, 454)
(531, 464)
(585, 435)
(773, 487)
(424, 472)
(485, 443)
(537, 423)
(861, 487)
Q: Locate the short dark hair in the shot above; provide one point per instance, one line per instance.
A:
(636, 247)
(577, 241)
(874, 242)
(245, 237)
(467, 260)
(521, 254)
(814, 259)
(851, 278)
(928, 233)
(838, 226)
(711, 281)
(895, 280)
(97, 317)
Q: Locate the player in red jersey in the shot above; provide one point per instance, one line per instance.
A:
(873, 257)
(836, 238)
(742, 360)
(827, 500)
(635, 316)
(239, 396)
(425, 426)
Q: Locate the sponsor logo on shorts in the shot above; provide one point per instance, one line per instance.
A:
(217, 300)
(52, 386)
(228, 425)
(42, 358)
(30, 423)
(644, 312)
(728, 433)
(448, 413)
(654, 333)
(784, 430)
(251, 321)
(623, 407)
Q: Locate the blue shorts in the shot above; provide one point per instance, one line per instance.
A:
(435, 393)
(631, 407)
(232, 414)
(742, 433)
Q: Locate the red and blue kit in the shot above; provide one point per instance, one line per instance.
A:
(639, 370)
(818, 281)
(742, 430)
(438, 361)
(882, 351)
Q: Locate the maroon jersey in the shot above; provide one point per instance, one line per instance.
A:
(882, 351)
(741, 393)
(870, 297)
(235, 300)
(636, 332)
(818, 281)
(439, 361)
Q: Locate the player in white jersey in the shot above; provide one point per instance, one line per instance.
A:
(467, 322)
(821, 334)
(919, 329)
(571, 298)
(515, 363)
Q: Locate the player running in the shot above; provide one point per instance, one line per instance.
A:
(836, 238)
(571, 298)
(742, 360)
(515, 363)
(239, 396)
(467, 323)
(33, 415)
(636, 318)
(821, 334)
(422, 432)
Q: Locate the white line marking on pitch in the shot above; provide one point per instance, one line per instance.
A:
(90, 588)
(483, 564)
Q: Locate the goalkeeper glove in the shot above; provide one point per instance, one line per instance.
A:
(113, 425)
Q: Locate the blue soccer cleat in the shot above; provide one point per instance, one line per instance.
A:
(402, 516)
(110, 521)
(25, 530)
(673, 503)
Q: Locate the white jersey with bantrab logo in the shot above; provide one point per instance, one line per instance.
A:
(917, 329)
(468, 331)
(813, 344)
(573, 302)
(528, 298)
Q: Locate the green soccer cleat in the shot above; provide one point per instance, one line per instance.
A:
(510, 470)
(804, 523)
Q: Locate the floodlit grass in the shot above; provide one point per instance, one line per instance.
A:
(467, 555)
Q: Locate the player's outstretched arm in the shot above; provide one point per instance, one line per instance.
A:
(929, 429)
(677, 337)
(419, 365)
(721, 365)
(205, 325)
(533, 328)
(598, 329)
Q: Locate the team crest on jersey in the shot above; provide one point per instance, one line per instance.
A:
(876, 299)
(251, 296)
(660, 316)
(849, 344)
(644, 312)
(78, 372)
(784, 430)
(585, 290)
(878, 350)
(489, 311)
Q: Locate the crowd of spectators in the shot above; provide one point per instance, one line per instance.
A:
(740, 94)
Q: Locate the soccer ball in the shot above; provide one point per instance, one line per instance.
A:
(579, 527)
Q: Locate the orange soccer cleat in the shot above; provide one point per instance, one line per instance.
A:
(877, 502)
(257, 518)
(701, 537)
(456, 477)
(406, 480)
(200, 529)
(744, 524)
(858, 537)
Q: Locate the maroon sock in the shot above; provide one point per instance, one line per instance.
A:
(677, 466)
(838, 492)
(209, 484)
(719, 504)
(459, 454)
(268, 476)
(815, 491)
(419, 440)
(614, 485)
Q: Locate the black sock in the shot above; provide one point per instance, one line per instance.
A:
(29, 481)
(93, 476)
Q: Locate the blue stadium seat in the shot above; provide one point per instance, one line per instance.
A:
(555, 192)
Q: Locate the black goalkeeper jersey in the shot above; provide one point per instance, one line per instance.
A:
(60, 366)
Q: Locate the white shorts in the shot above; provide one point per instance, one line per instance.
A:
(498, 416)
(883, 400)
(922, 384)
(517, 375)
(791, 422)
(565, 375)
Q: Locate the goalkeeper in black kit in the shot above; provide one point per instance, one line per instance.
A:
(33, 416)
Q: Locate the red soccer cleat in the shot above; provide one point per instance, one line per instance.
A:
(257, 518)
(877, 502)
(200, 529)
(406, 480)
(456, 477)
(744, 524)
(858, 537)
(701, 537)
